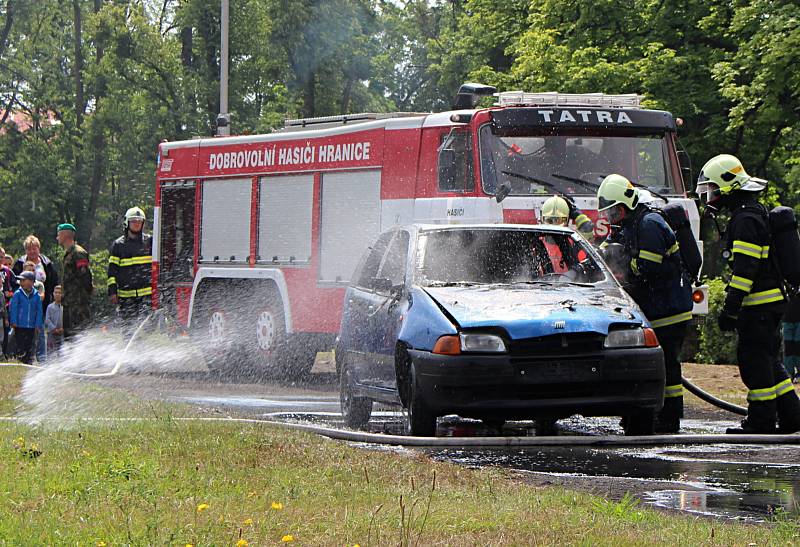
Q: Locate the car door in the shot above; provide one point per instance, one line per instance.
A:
(359, 306)
(389, 306)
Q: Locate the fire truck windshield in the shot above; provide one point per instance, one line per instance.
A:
(571, 160)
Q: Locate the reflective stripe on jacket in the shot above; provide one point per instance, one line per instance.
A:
(754, 280)
(129, 266)
(656, 278)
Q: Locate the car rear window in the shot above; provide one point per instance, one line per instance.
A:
(492, 256)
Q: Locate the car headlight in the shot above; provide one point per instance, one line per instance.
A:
(482, 343)
(631, 338)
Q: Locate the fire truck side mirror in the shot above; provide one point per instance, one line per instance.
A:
(502, 191)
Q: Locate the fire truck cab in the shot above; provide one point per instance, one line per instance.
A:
(256, 236)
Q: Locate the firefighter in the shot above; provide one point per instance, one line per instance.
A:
(129, 278)
(754, 302)
(76, 282)
(655, 278)
(560, 210)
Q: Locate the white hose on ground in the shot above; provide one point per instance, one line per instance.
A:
(599, 441)
(112, 372)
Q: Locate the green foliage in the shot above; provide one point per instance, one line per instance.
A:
(148, 71)
(716, 346)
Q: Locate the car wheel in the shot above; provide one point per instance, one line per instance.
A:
(495, 424)
(355, 410)
(640, 423)
(545, 427)
(421, 419)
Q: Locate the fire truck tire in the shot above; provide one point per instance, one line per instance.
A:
(356, 410)
(265, 343)
(214, 337)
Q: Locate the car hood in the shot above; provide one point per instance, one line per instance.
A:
(532, 311)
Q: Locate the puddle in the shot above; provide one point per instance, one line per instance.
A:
(694, 481)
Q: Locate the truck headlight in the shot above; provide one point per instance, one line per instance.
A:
(482, 343)
(631, 338)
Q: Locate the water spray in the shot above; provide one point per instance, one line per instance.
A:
(114, 370)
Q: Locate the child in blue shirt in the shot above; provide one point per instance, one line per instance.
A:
(26, 316)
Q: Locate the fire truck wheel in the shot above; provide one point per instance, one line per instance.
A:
(216, 340)
(355, 410)
(265, 342)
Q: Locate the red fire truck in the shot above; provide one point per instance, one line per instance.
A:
(256, 236)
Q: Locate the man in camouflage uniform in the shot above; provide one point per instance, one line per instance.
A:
(76, 282)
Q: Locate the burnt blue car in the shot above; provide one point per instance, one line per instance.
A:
(495, 322)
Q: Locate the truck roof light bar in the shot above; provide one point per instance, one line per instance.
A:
(554, 98)
(346, 119)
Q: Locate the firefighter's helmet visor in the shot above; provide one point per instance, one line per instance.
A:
(554, 220)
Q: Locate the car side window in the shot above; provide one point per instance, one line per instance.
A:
(371, 261)
(393, 267)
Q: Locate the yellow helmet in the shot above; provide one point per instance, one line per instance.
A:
(616, 189)
(555, 210)
(723, 174)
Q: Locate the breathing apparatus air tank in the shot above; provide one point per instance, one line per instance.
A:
(786, 243)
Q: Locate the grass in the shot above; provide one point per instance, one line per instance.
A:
(171, 482)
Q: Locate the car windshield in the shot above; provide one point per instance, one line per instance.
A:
(492, 256)
(572, 160)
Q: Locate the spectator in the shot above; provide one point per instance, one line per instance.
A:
(8, 260)
(76, 280)
(26, 316)
(4, 315)
(44, 268)
(8, 284)
(38, 286)
(54, 323)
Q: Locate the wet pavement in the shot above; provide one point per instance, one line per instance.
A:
(747, 482)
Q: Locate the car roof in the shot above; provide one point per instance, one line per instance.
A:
(428, 227)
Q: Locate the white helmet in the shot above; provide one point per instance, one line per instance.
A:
(134, 213)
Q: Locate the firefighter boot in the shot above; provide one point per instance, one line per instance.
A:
(760, 419)
(788, 413)
(668, 419)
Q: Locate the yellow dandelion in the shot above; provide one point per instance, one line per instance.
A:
(202, 507)
(242, 543)
(190, 545)
(288, 538)
(19, 442)
(248, 522)
(101, 544)
(277, 505)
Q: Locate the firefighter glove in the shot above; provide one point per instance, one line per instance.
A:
(727, 320)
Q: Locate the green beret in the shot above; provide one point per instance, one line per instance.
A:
(66, 226)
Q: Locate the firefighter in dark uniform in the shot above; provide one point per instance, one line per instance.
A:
(656, 279)
(129, 267)
(754, 303)
(76, 282)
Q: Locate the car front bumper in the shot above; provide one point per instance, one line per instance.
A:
(610, 383)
